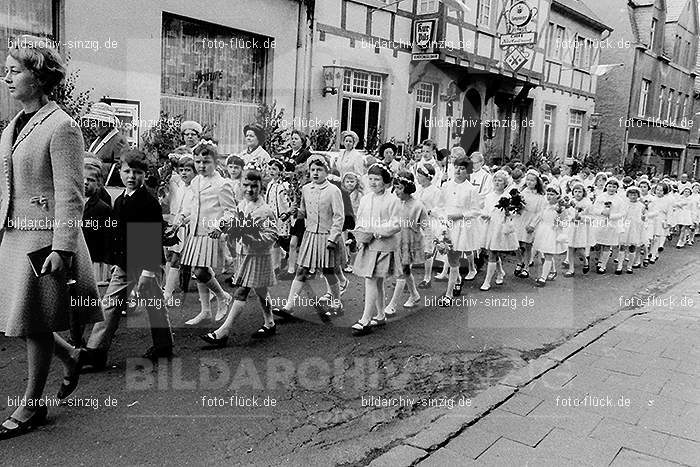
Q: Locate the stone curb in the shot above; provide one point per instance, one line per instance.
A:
(439, 432)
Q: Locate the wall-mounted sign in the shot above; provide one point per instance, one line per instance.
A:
(518, 38)
(425, 56)
(520, 14)
(424, 34)
(515, 59)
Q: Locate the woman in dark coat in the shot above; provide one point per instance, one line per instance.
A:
(41, 206)
(300, 152)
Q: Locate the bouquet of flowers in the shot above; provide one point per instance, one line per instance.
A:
(510, 205)
(443, 242)
(517, 202)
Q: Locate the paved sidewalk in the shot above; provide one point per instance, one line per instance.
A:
(627, 398)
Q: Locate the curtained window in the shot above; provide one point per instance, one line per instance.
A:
(212, 62)
(213, 74)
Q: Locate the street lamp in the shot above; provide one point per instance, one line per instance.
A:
(332, 77)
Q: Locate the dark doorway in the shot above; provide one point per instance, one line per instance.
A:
(471, 114)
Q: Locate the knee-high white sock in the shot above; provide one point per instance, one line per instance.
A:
(490, 271)
(236, 310)
(411, 282)
(398, 290)
(428, 269)
(276, 253)
(215, 287)
(452, 280)
(293, 294)
(604, 258)
(546, 267)
(499, 268)
(620, 258)
(172, 278)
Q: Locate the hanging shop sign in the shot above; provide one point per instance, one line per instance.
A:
(520, 37)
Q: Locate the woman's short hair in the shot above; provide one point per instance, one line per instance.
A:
(302, 136)
(258, 130)
(39, 56)
(388, 145)
(135, 158)
(351, 134)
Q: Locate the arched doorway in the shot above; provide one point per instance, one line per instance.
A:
(471, 115)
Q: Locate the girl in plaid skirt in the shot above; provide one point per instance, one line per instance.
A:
(321, 246)
(255, 271)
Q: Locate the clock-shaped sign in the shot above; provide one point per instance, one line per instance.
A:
(520, 14)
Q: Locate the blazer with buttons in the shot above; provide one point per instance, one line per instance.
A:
(322, 206)
(45, 190)
(212, 198)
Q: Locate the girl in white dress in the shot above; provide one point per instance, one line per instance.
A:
(550, 232)
(579, 228)
(378, 233)
(413, 219)
(429, 195)
(684, 216)
(631, 229)
(459, 206)
(609, 209)
(696, 212)
(500, 233)
(662, 206)
(535, 201)
(649, 212)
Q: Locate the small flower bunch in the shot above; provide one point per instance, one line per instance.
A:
(562, 205)
(443, 242)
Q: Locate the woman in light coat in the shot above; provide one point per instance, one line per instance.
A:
(41, 206)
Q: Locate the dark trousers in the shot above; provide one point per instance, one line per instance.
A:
(115, 301)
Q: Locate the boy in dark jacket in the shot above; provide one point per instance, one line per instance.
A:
(96, 222)
(137, 256)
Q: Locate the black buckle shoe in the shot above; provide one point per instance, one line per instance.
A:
(264, 332)
(211, 339)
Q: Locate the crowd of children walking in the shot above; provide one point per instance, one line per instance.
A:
(292, 216)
